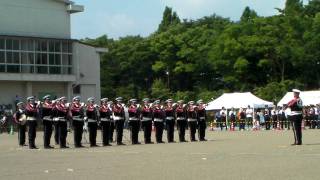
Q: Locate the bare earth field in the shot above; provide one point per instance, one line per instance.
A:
(226, 155)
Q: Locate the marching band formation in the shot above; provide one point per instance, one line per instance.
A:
(55, 114)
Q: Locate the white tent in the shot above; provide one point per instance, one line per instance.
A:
(238, 100)
(308, 98)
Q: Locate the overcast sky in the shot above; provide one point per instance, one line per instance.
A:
(118, 18)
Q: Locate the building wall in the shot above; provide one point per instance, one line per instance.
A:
(9, 90)
(87, 70)
(40, 18)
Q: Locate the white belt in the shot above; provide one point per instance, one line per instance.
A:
(191, 119)
(180, 118)
(169, 118)
(133, 119)
(47, 118)
(75, 118)
(31, 119)
(202, 118)
(158, 120)
(105, 119)
(117, 118)
(146, 119)
(296, 112)
(61, 119)
(92, 120)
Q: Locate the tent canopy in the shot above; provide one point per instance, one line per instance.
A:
(238, 100)
(307, 97)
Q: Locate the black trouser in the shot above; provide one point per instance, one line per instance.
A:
(159, 131)
(63, 132)
(170, 130)
(268, 124)
(134, 131)
(77, 132)
(119, 128)
(274, 122)
(223, 123)
(181, 125)
(93, 126)
(147, 128)
(296, 126)
(22, 134)
(313, 121)
(232, 123)
(202, 129)
(249, 122)
(281, 122)
(105, 131)
(112, 127)
(32, 125)
(56, 131)
(47, 132)
(193, 130)
(242, 124)
(287, 123)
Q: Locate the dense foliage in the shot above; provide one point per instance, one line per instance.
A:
(192, 59)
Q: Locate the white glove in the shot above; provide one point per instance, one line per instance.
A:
(85, 127)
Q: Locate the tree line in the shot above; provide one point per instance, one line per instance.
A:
(203, 58)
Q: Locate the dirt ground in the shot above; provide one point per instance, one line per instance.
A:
(226, 155)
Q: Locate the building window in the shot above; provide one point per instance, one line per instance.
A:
(15, 44)
(76, 89)
(41, 58)
(51, 46)
(27, 55)
(2, 41)
(44, 46)
(27, 58)
(2, 57)
(9, 44)
(27, 45)
(13, 57)
(2, 68)
(55, 70)
(42, 69)
(27, 68)
(13, 68)
(57, 47)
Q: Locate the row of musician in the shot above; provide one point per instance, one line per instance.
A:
(90, 115)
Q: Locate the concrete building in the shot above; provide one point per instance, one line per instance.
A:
(38, 56)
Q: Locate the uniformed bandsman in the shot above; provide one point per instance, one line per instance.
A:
(296, 107)
(134, 122)
(20, 119)
(267, 118)
(170, 120)
(202, 124)
(47, 116)
(32, 113)
(91, 117)
(274, 118)
(180, 114)
(112, 126)
(192, 120)
(119, 118)
(55, 124)
(158, 117)
(60, 114)
(146, 120)
(77, 115)
(104, 115)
